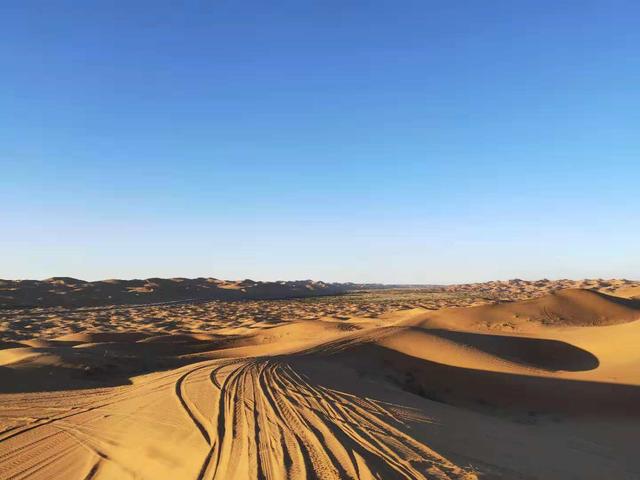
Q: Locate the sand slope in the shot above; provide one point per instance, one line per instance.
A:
(547, 388)
(562, 308)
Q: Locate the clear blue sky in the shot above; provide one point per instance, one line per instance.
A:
(391, 141)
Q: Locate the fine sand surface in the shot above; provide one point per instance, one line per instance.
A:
(545, 388)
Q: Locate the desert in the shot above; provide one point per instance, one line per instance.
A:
(498, 380)
(319, 240)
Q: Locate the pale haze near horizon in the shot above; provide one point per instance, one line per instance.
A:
(395, 142)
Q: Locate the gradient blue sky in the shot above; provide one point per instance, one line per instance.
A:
(388, 141)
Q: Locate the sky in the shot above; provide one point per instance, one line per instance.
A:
(370, 141)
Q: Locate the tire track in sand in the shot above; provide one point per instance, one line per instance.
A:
(271, 423)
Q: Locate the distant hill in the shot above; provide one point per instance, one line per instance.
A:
(72, 292)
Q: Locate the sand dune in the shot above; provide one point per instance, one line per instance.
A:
(518, 289)
(562, 308)
(544, 388)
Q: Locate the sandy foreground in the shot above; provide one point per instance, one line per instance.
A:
(545, 388)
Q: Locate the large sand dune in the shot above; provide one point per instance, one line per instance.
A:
(546, 388)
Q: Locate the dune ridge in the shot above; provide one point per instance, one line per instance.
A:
(518, 289)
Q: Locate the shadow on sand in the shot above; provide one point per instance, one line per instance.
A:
(541, 353)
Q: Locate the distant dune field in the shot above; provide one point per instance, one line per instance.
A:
(504, 380)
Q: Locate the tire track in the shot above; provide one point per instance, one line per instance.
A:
(271, 423)
(189, 408)
(260, 419)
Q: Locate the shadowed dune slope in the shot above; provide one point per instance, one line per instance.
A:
(526, 352)
(490, 385)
